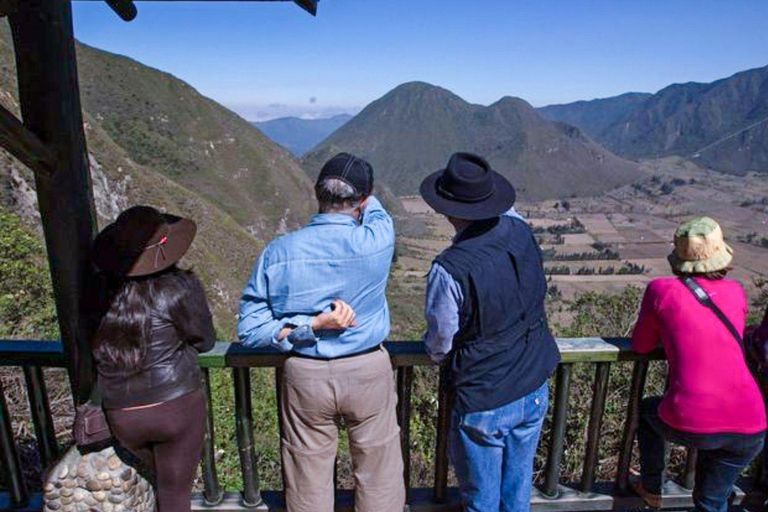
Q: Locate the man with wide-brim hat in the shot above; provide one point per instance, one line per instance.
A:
(486, 321)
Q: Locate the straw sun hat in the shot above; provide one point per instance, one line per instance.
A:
(699, 247)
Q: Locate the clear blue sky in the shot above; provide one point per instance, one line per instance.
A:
(265, 59)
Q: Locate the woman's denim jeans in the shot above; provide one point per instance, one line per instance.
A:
(721, 457)
(493, 453)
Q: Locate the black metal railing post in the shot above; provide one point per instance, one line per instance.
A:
(689, 476)
(639, 375)
(41, 415)
(10, 457)
(404, 389)
(557, 441)
(212, 493)
(599, 393)
(280, 426)
(245, 441)
(441, 445)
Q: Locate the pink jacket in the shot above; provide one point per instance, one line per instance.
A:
(711, 389)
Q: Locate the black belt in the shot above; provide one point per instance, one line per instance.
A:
(316, 358)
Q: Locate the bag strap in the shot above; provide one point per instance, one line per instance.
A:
(704, 298)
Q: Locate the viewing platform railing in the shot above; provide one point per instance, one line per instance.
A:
(33, 356)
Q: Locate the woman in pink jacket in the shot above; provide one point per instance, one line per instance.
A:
(713, 402)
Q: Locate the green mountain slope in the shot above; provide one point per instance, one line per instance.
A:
(413, 129)
(224, 251)
(164, 123)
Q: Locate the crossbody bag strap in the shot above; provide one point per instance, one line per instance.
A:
(704, 298)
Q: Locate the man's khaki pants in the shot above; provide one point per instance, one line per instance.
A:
(361, 390)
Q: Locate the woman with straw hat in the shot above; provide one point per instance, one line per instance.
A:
(713, 402)
(152, 321)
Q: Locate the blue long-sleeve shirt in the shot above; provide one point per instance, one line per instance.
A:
(300, 274)
(442, 308)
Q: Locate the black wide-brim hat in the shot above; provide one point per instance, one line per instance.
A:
(468, 189)
(142, 241)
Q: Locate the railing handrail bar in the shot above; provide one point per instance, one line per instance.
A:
(404, 353)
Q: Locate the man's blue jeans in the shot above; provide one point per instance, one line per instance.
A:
(720, 461)
(493, 453)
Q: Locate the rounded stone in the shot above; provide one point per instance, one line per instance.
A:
(92, 485)
(99, 462)
(103, 476)
(114, 462)
(100, 495)
(53, 505)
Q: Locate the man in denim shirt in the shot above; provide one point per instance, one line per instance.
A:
(319, 294)
(486, 322)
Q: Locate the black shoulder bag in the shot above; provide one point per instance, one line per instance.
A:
(704, 298)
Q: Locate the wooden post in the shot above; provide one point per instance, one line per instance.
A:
(50, 106)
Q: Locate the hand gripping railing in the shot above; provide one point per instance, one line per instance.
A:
(32, 356)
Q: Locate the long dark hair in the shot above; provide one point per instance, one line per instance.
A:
(121, 319)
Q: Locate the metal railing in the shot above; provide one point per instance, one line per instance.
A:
(587, 494)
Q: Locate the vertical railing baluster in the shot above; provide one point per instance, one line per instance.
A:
(41, 415)
(10, 457)
(279, 393)
(404, 388)
(599, 393)
(639, 374)
(689, 477)
(336, 475)
(557, 441)
(212, 492)
(245, 442)
(443, 427)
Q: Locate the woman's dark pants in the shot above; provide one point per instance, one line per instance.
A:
(721, 457)
(168, 438)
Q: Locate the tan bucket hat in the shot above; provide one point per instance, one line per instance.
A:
(699, 247)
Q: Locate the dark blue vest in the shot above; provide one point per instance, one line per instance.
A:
(504, 349)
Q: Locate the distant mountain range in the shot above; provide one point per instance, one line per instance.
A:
(300, 135)
(412, 130)
(722, 125)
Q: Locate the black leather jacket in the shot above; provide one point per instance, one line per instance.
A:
(170, 367)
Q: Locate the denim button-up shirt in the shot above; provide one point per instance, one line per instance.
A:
(300, 274)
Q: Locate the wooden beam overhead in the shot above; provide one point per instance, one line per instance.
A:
(8, 7)
(24, 144)
(308, 5)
